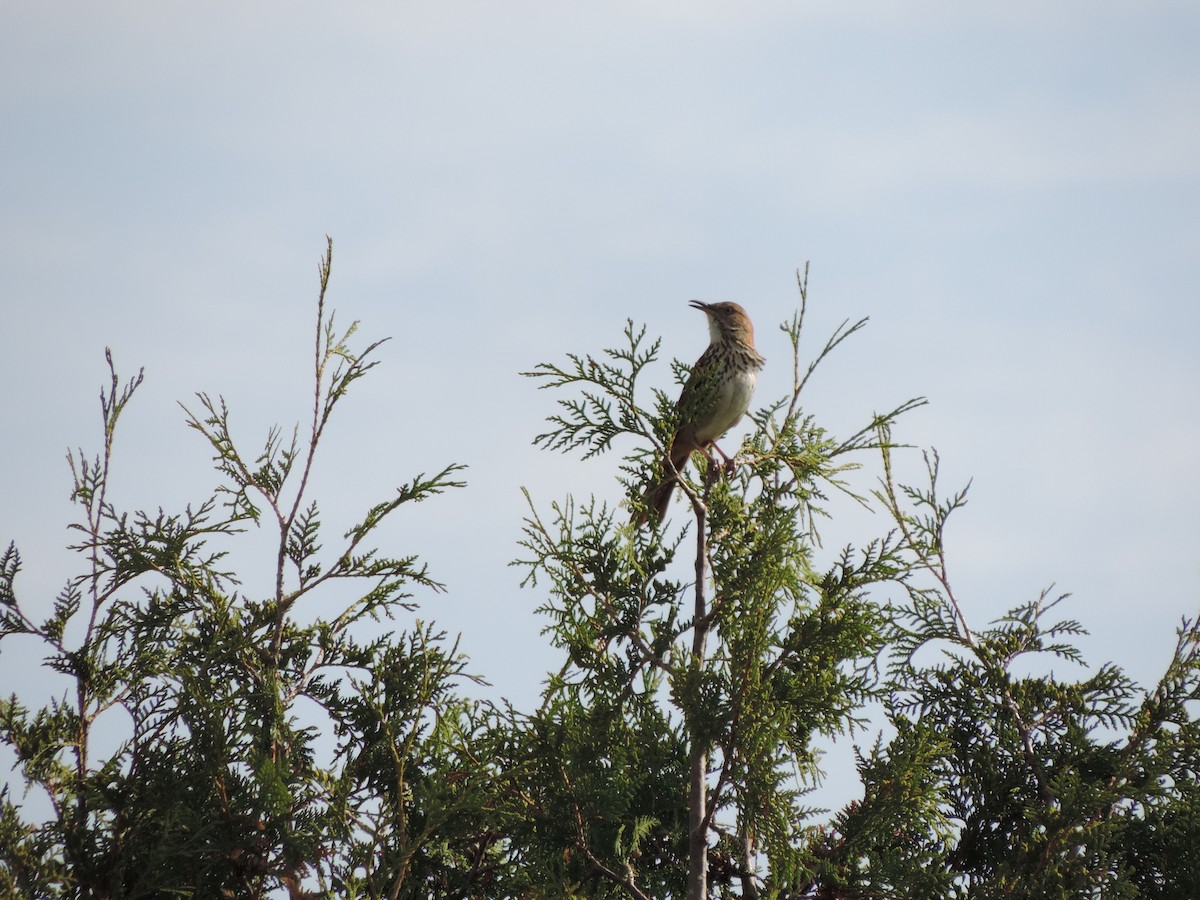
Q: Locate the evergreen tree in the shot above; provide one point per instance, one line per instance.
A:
(278, 744)
(710, 679)
(675, 746)
(222, 787)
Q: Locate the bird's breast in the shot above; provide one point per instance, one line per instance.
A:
(732, 401)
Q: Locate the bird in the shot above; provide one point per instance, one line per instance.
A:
(714, 398)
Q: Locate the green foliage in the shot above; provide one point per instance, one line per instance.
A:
(269, 745)
(299, 742)
(986, 784)
(746, 656)
(1001, 785)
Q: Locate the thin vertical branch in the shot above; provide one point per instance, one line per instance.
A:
(96, 499)
(749, 886)
(930, 555)
(697, 886)
(793, 333)
(285, 525)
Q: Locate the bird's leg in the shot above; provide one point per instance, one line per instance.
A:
(729, 466)
(710, 464)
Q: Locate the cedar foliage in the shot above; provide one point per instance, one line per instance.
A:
(279, 744)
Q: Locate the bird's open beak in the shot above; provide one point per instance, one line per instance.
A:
(696, 304)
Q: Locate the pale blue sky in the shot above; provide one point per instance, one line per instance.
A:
(1009, 190)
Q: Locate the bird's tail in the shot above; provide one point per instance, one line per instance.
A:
(658, 498)
(657, 501)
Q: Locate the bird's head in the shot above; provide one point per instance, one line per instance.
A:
(727, 321)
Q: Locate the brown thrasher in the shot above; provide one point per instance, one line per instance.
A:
(715, 397)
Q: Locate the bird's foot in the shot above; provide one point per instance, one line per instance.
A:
(730, 462)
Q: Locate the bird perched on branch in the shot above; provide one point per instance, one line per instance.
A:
(713, 400)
